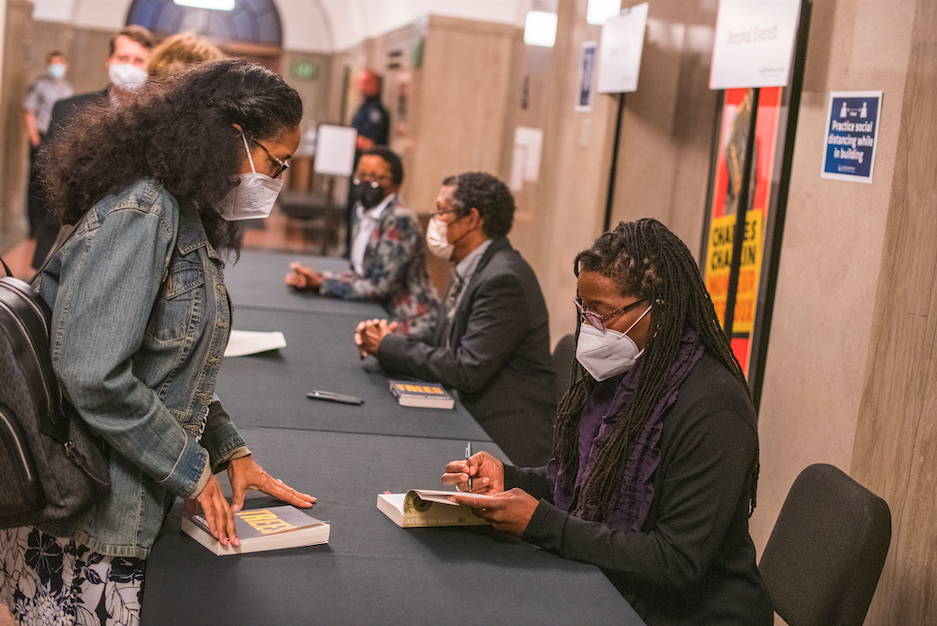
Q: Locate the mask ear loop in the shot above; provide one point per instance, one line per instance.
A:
(246, 147)
(639, 319)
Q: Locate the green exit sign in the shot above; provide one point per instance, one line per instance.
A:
(304, 70)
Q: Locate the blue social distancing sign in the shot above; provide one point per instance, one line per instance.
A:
(851, 135)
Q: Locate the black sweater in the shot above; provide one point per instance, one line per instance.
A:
(693, 561)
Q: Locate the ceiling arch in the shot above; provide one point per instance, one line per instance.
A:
(309, 25)
(251, 21)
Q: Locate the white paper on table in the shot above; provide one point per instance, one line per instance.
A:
(243, 342)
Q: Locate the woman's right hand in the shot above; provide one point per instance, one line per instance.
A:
(217, 513)
(486, 471)
(303, 278)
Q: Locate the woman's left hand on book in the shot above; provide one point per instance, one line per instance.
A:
(245, 474)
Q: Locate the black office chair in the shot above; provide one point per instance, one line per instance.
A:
(563, 355)
(826, 552)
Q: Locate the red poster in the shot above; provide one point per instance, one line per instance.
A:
(733, 137)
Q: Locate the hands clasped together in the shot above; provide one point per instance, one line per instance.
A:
(243, 474)
(508, 511)
(369, 333)
(302, 278)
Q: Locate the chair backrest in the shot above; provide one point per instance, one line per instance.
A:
(563, 355)
(826, 552)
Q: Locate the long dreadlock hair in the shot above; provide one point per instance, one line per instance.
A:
(647, 261)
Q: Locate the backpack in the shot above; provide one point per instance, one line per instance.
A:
(51, 466)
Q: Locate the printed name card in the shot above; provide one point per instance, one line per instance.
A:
(754, 43)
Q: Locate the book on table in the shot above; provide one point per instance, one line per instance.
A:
(426, 508)
(267, 528)
(416, 393)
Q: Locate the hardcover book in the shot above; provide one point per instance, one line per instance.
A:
(270, 528)
(426, 508)
(414, 393)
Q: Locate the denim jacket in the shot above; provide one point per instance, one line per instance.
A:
(140, 321)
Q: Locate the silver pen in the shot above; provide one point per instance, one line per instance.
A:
(468, 455)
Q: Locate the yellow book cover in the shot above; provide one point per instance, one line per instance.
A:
(269, 528)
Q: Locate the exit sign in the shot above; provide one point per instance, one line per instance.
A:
(304, 70)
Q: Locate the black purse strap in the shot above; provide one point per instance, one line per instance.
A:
(49, 257)
(56, 250)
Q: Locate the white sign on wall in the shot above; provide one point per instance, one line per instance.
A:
(620, 50)
(754, 43)
(335, 150)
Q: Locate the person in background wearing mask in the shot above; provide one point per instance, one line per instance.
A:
(37, 112)
(372, 122)
(655, 453)
(388, 254)
(141, 319)
(126, 62)
(491, 342)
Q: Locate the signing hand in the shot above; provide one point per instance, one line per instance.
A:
(508, 511)
(244, 474)
(486, 471)
(304, 278)
(217, 513)
(370, 333)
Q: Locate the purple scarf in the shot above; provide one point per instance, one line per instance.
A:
(600, 414)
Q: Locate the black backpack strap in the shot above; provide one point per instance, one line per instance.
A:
(55, 251)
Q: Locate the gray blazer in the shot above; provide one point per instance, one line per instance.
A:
(498, 357)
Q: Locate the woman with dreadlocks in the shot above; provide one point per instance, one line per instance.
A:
(655, 452)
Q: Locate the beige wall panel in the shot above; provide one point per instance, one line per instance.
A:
(15, 80)
(462, 103)
(570, 196)
(831, 256)
(663, 165)
(896, 442)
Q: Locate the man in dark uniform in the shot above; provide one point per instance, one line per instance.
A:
(373, 125)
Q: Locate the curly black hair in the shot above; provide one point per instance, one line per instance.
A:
(488, 195)
(178, 131)
(648, 261)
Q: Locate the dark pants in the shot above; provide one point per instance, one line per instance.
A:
(36, 208)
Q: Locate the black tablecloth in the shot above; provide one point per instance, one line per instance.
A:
(371, 571)
(269, 389)
(258, 280)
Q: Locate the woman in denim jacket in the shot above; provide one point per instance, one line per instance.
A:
(141, 318)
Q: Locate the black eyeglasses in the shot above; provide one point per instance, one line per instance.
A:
(282, 166)
(598, 321)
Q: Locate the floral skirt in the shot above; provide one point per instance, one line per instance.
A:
(49, 581)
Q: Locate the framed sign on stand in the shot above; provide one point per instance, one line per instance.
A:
(758, 63)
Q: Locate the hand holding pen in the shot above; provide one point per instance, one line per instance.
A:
(485, 472)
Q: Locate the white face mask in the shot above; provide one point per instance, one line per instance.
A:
(126, 76)
(607, 353)
(436, 240)
(253, 198)
(56, 70)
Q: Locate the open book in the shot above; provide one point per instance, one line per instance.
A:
(270, 528)
(426, 508)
